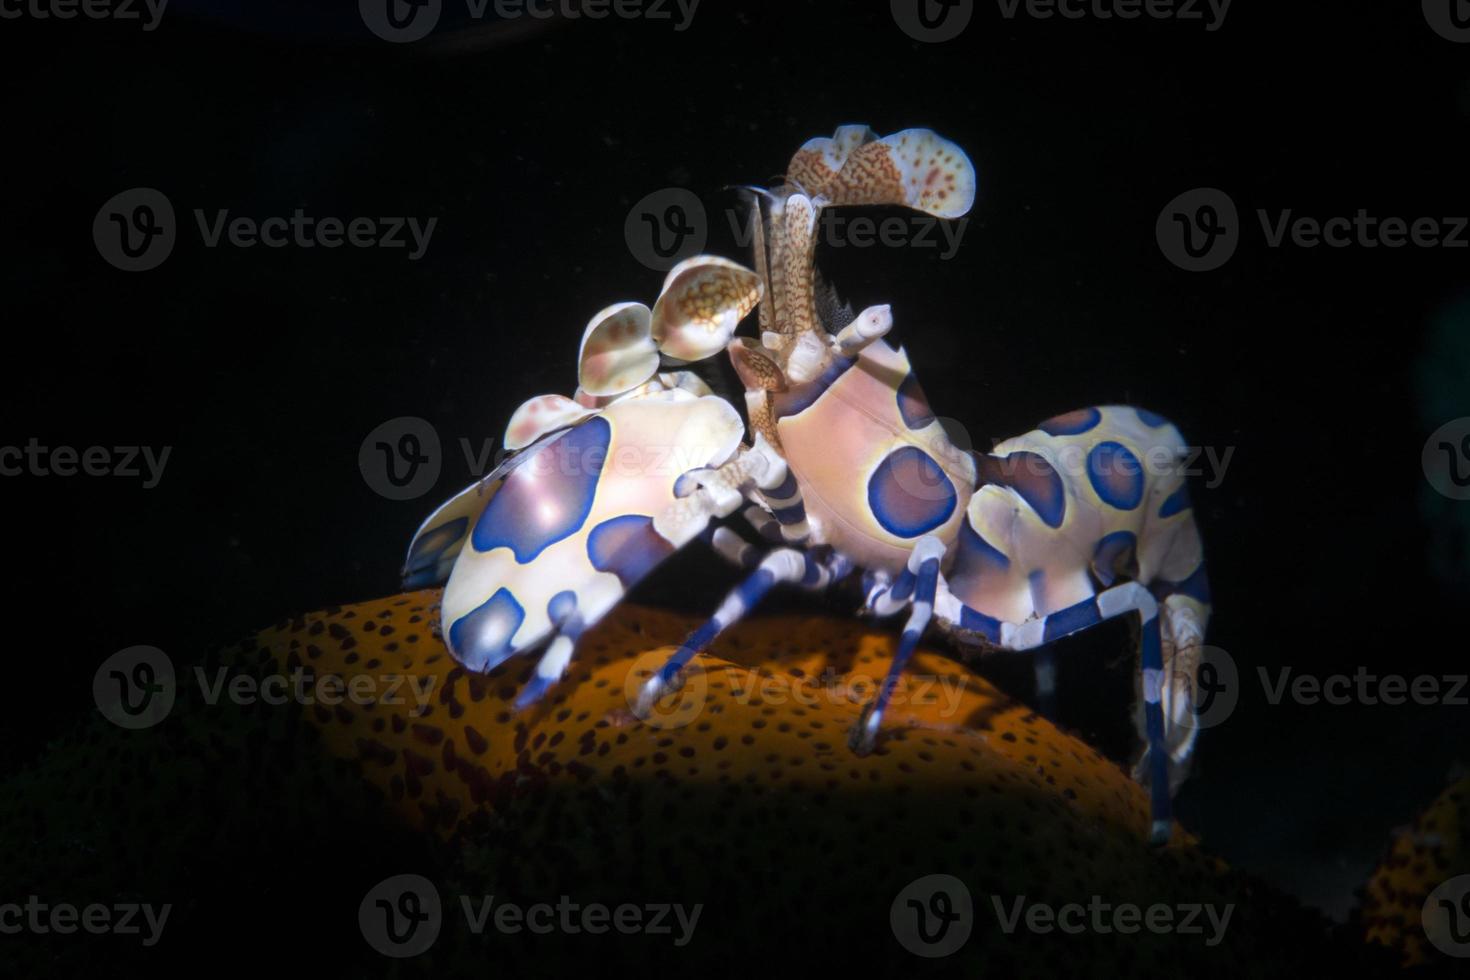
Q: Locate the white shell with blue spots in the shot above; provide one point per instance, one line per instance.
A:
(572, 526)
(1087, 498)
(875, 467)
(1047, 520)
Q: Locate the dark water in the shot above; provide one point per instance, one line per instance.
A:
(263, 369)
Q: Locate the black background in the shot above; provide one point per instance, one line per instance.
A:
(264, 369)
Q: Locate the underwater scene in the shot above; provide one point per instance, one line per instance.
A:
(515, 488)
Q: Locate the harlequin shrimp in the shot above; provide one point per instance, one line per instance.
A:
(845, 467)
(549, 541)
